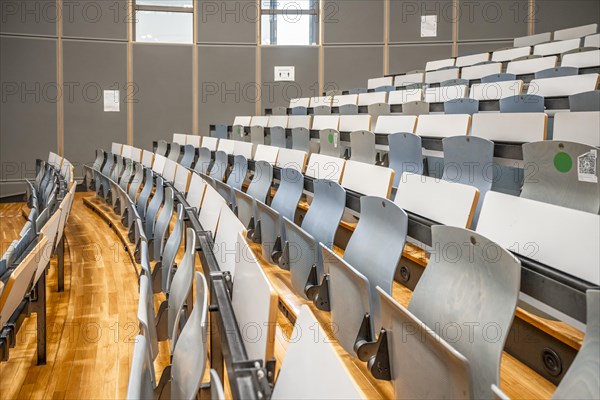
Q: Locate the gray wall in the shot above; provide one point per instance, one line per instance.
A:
(233, 73)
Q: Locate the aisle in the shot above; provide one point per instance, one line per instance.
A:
(91, 326)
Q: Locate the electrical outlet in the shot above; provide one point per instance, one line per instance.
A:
(285, 74)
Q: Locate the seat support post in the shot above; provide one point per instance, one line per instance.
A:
(365, 346)
(379, 364)
(60, 254)
(39, 307)
(318, 294)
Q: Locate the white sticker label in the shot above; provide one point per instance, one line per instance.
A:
(428, 25)
(586, 167)
(335, 139)
(111, 101)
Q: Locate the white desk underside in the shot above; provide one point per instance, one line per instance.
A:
(405, 96)
(581, 60)
(326, 122)
(299, 121)
(126, 151)
(260, 120)
(182, 178)
(592, 40)
(228, 229)
(194, 140)
(196, 191)
(251, 301)
(170, 170)
(444, 202)
(375, 83)
(243, 149)
(227, 146)
(576, 32)
(266, 153)
(147, 158)
(301, 102)
(396, 124)
(351, 123)
(559, 47)
(136, 154)
(580, 127)
(437, 64)
(210, 210)
(564, 85)
(511, 54)
(442, 125)
(370, 180)
(159, 164)
(532, 40)
(242, 121)
(496, 90)
(179, 138)
(325, 167)
(366, 99)
(442, 75)
(442, 94)
(347, 99)
(210, 143)
(409, 79)
(479, 71)
(562, 238)
(115, 148)
(473, 59)
(531, 66)
(289, 158)
(510, 127)
(312, 369)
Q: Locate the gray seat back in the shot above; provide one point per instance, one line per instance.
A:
(586, 101)
(278, 138)
(174, 152)
(216, 386)
(300, 110)
(189, 153)
(357, 91)
(238, 132)
(161, 148)
(153, 208)
(257, 135)
(363, 147)
(162, 224)
(405, 155)
(219, 167)
(190, 355)
(554, 174)
(238, 172)
(454, 82)
(204, 160)
(461, 106)
(348, 109)
(450, 293)
(321, 110)
(260, 184)
(136, 182)
(498, 78)
(142, 201)
(279, 111)
(582, 380)
(301, 139)
(147, 321)
(415, 108)
(325, 212)
(467, 160)
(556, 72)
(108, 165)
(127, 174)
(302, 254)
(99, 159)
(244, 207)
(221, 131)
(180, 289)
(414, 348)
(376, 110)
(526, 103)
(330, 143)
(386, 89)
(140, 378)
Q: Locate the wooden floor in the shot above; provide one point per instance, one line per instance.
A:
(91, 326)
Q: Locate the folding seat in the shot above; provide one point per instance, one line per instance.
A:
(461, 106)
(238, 172)
(218, 170)
(257, 129)
(142, 201)
(258, 189)
(88, 174)
(575, 32)
(388, 124)
(585, 101)
(405, 155)
(209, 212)
(136, 181)
(299, 111)
(161, 148)
(348, 109)
(564, 85)
(204, 161)
(523, 103)
(300, 126)
(372, 255)
(189, 154)
(279, 111)
(357, 90)
(301, 250)
(532, 40)
(592, 40)
(127, 175)
(182, 179)
(269, 228)
(377, 110)
(556, 47)
(153, 208)
(147, 321)
(465, 61)
(166, 263)
(531, 65)
(496, 90)
(221, 131)
(498, 78)
(415, 108)
(329, 140)
(196, 192)
(344, 100)
(325, 377)
(385, 89)
(581, 58)
(140, 384)
(363, 147)
(226, 239)
(556, 72)
(300, 102)
(558, 178)
(322, 110)
(468, 160)
(156, 241)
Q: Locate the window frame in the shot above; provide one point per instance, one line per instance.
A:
(273, 12)
(159, 8)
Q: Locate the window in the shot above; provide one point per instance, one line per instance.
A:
(290, 22)
(164, 21)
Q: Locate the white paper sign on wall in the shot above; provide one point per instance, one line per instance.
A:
(428, 25)
(286, 74)
(111, 101)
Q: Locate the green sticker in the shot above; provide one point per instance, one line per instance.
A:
(563, 162)
(239, 131)
(330, 138)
